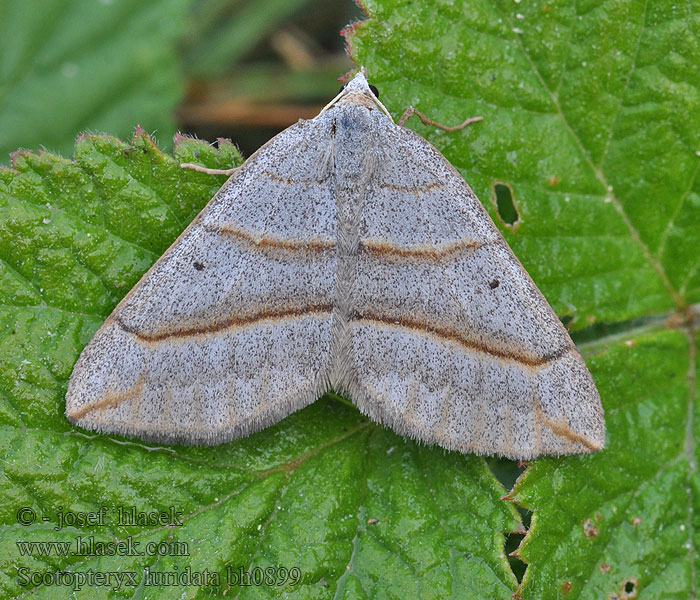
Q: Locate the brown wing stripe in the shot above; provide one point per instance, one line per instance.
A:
(231, 323)
(561, 428)
(296, 312)
(443, 333)
(110, 400)
(300, 181)
(426, 187)
(267, 243)
(318, 181)
(420, 251)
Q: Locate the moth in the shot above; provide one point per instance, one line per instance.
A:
(345, 254)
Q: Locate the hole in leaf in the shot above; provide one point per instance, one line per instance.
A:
(507, 471)
(505, 205)
(513, 541)
(629, 588)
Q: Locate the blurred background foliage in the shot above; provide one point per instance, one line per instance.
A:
(242, 69)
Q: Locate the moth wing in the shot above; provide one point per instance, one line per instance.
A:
(230, 330)
(452, 342)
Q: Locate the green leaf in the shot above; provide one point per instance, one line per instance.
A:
(360, 511)
(592, 120)
(68, 66)
(628, 516)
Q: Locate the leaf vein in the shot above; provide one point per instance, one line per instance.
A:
(661, 273)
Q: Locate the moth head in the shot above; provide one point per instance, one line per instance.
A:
(359, 91)
(359, 85)
(373, 89)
